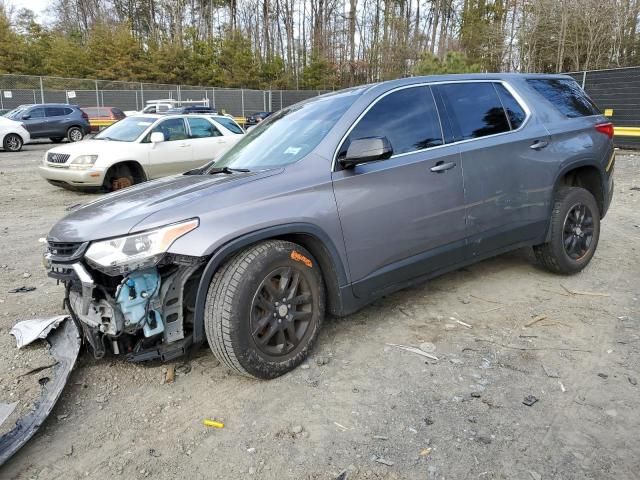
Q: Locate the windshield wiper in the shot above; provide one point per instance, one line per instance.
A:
(228, 170)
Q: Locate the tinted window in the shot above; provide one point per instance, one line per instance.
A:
(56, 111)
(36, 113)
(514, 111)
(68, 111)
(201, 128)
(407, 117)
(566, 96)
(173, 129)
(475, 108)
(228, 124)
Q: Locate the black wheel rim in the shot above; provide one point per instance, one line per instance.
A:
(577, 234)
(281, 312)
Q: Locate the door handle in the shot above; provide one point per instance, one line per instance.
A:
(441, 166)
(539, 144)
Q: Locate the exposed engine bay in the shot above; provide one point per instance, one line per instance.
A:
(145, 313)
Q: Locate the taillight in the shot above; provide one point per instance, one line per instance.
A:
(606, 128)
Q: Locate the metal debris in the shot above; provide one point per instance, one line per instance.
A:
(415, 350)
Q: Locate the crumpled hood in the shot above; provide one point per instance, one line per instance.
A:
(122, 212)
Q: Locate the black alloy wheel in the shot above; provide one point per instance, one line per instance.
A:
(281, 312)
(578, 231)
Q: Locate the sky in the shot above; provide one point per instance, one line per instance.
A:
(38, 6)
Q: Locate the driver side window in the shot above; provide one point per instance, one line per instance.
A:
(407, 117)
(173, 129)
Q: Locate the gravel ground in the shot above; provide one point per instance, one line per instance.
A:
(360, 406)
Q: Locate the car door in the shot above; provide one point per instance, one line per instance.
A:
(207, 140)
(35, 121)
(402, 217)
(57, 121)
(175, 153)
(504, 164)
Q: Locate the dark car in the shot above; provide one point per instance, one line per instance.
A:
(56, 121)
(332, 203)
(191, 109)
(102, 117)
(256, 118)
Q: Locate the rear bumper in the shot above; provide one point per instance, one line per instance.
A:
(80, 178)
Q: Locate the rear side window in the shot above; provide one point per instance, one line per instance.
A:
(407, 117)
(515, 112)
(475, 109)
(57, 111)
(566, 96)
(229, 124)
(201, 128)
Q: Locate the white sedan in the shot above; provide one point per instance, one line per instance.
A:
(140, 148)
(13, 135)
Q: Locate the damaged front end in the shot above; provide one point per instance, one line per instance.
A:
(128, 294)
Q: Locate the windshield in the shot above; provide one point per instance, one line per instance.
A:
(16, 112)
(287, 136)
(127, 129)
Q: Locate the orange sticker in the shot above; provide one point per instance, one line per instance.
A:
(298, 257)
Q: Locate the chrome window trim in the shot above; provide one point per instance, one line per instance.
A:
(505, 83)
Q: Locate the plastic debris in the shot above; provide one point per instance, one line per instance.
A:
(22, 289)
(384, 461)
(29, 330)
(415, 350)
(212, 423)
(529, 400)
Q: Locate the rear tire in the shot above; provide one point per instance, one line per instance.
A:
(12, 143)
(575, 230)
(250, 329)
(75, 134)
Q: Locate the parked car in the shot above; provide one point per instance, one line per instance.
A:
(13, 135)
(137, 149)
(102, 117)
(256, 118)
(164, 105)
(55, 121)
(191, 109)
(332, 203)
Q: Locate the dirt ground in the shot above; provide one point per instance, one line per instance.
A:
(359, 402)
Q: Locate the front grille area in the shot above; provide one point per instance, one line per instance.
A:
(63, 250)
(57, 157)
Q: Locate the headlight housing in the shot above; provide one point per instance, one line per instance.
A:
(138, 250)
(82, 162)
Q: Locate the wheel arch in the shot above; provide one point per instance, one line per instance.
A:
(139, 175)
(309, 236)
(586, 174)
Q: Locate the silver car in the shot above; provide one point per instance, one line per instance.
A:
(331, 203)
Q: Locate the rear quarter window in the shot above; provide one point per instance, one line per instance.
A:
(566, 96)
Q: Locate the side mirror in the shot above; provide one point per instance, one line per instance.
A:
(367, 150)
(157, 137)
(26, 117)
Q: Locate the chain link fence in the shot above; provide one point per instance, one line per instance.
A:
(16, 90)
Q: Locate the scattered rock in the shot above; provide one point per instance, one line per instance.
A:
(535, 475)
(456, 361)
(251, 450)
(476, 394)
(603, 375)
(380, 437)
(483, 437)
(304, 366)
(154, 453)
(252, 470)
(633, 380)
(427, 347)
(529, 400)
(550, 372)
(101, 399)
(296, 430)
(322, 361)
(26, 275)
(68, 451)
(384, 461)
(428, 421)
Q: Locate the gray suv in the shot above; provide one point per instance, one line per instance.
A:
(55, 121)
(331, 203)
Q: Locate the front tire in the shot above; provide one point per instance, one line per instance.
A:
(12, 143)
(75, 134)
(575, 230)
(264, 309)
(117, 178)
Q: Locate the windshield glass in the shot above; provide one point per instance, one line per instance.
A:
(287, 136)
(127, 129)
(16, 112)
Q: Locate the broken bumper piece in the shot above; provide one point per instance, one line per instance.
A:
(65, 346)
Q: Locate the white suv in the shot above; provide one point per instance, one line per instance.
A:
(13, 135)
(140, 148)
